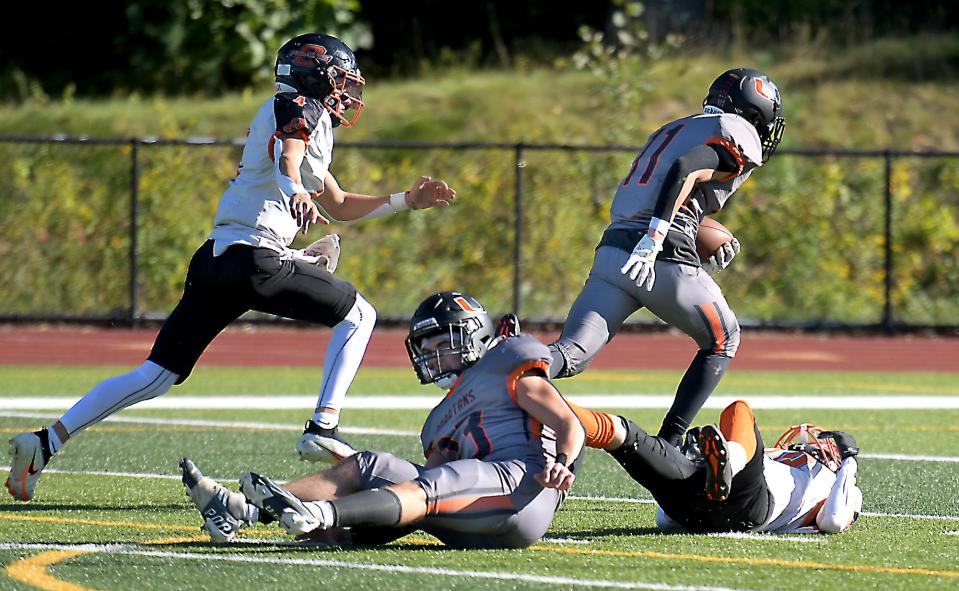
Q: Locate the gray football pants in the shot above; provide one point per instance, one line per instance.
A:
(684, 296)
(472, 503)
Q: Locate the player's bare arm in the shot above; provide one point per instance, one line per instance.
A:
(301, 204)
(345, 206)
(538, 397)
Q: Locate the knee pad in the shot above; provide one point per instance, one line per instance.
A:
(570, 367)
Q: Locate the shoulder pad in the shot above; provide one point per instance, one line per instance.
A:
(296, 114)
(743, 135)
(515, 352)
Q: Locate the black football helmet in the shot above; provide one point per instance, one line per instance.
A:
(753, 96)
(460, 318)
(322, 67)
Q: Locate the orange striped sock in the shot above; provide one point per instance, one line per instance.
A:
(599, 425)
(737, 424)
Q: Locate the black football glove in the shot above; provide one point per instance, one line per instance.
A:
(844, 441)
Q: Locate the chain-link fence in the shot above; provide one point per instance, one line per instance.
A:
(103, 229)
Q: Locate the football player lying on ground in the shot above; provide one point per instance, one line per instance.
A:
(500, 451)
(647, 256)
(246, 263)
(726, 481)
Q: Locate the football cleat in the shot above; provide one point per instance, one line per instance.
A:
(280, 504)
(719, 472)
(29, 455)
(223, 511)
(690, 446)
(323, 445)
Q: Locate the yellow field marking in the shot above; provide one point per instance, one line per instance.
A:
(35, 567)
(32, 570)
(177, 540)
(133, 524)
(755, 561)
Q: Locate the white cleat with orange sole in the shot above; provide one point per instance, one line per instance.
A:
(26, 462)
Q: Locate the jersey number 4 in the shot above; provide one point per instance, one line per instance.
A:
(653, 159)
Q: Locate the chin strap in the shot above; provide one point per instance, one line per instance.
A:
(446, 382)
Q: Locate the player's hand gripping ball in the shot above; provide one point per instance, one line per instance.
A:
(715, 245)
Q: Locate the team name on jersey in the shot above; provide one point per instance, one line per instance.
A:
(461, 402)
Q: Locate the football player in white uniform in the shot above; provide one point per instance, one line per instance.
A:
(646, 258)
(724, 480)
(501, 449)
(247, 263)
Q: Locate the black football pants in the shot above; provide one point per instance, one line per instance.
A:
(679, 484)
(219, 289)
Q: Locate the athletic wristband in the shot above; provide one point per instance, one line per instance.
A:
(398, 201)
(561, 458)
(289, 187)
(659, 226)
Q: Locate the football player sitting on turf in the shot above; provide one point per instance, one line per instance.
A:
(500, 450)
(246, 263)
(726, 481)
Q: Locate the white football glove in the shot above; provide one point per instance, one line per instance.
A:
(723, 256)
(325, 252)
(640, 266)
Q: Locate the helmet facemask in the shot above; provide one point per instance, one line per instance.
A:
(438, 352)
(346, 95)
(806, 438)
(774, 135)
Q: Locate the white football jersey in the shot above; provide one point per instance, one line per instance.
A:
(799, 485)
(253, 210)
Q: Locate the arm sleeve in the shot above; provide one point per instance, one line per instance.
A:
(700, 157)
(844, 503)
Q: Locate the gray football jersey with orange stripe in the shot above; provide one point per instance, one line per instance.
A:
(635, 199)
(479, 418)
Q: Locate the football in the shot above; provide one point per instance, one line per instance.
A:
(710, 237)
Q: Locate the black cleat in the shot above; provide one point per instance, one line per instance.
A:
(719, 474)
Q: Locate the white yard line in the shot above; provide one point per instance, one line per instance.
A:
(418, 402)
(254, 426)
(115, 549)
(801, 538)
(370, 431)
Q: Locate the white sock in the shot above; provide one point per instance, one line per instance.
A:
(344, 354)
(323, 511)
(737, 456)
(326, 420)
(113, 395)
